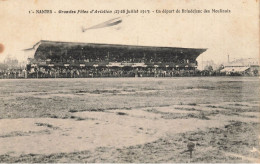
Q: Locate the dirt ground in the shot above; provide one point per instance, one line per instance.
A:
(130, 120)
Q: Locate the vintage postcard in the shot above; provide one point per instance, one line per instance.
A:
(140, 81)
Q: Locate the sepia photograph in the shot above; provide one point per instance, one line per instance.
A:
(140, 81)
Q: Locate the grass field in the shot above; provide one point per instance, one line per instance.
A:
(130, 119)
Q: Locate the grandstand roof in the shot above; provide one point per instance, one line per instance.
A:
(46, 46)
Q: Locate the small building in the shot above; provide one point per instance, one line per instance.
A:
(242, 67)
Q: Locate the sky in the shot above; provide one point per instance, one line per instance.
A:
(235, 34)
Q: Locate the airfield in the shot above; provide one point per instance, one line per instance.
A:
(130, 119)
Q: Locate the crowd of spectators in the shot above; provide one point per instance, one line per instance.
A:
(107, 72)
(91, 72)
(12, 74)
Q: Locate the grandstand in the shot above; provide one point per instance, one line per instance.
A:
(69, 59)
